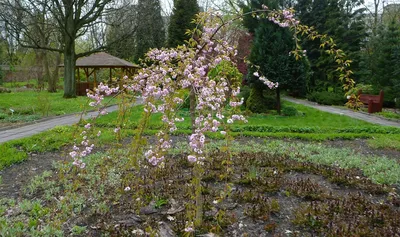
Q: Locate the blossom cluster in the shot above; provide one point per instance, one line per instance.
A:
(160, 82)
(270, 84)
(284, 18)
(83, 149)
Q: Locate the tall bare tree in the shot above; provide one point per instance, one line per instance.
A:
(71, 18)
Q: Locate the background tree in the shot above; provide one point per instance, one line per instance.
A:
(345, 25)
(385, 73)
(270, 54)
(121, 21)
(180, 21)
(150, 27)
(73, 19)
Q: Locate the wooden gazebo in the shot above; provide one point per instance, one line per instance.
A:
(97, 61)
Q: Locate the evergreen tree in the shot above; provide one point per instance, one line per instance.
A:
(182, 15)
(150, 29)
(387, 74)
(346, 26)
(271, 53)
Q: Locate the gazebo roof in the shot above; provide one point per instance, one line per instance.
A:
(103, 60)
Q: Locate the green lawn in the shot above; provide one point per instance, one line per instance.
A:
(311, 125)
(31, 105)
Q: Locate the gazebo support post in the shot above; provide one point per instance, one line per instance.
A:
(110, 76)
(79, 76)
(95, 78)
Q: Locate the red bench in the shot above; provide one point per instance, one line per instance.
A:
(374, 102)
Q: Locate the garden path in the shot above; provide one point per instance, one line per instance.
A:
(43, 125)
(347, 112)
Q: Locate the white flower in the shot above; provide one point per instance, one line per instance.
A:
(348, 97)
(138, 232)
(189, 229)
(170, 218)
(215, 201)
(127, 189)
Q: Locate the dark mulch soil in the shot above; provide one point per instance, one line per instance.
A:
(268, 196)
(18, 175)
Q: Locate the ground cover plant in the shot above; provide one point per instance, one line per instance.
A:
(276, 188)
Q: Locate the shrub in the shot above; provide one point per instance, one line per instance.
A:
(327, 98)
(397, 101)
(244, 93)
(1, 76)
(4, 90)
(256, 102)
(289, 111)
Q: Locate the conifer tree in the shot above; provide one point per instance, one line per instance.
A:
(271, 54)
(182, 15)
(387, 75)
(151, 28)
(345, 25)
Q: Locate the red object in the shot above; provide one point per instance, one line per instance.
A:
(243, 51)
(374, 102)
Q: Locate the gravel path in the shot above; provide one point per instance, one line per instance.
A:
(354, 114)
(46, 124)
(43, 125)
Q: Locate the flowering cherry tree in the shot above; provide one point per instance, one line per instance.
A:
(213, 95)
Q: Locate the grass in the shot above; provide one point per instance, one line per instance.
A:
(16, 151)
(390, 115)
(312, 125)
(29, 105)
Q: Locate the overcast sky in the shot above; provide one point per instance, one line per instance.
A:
(168, 4)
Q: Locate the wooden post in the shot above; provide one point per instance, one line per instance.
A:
(95, 78)
(87, 74)
(79, 76)
(110, 76)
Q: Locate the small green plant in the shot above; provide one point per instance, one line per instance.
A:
(78, 230)
(44, 103)
(160, 202)
(289, 111)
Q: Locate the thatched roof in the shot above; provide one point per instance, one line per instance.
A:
(103, 60)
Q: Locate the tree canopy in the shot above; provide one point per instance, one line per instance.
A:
(182, 16)
(150, 30)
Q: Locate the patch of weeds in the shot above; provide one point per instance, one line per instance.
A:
(306, 189)
(380, 170)
(331, 217)
(21, 118)
(160, 202)
(262, 208)
(10, 155)
(78, 230)
(39, 183)
(384, 141)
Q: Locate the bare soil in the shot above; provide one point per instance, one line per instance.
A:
(268, 196)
